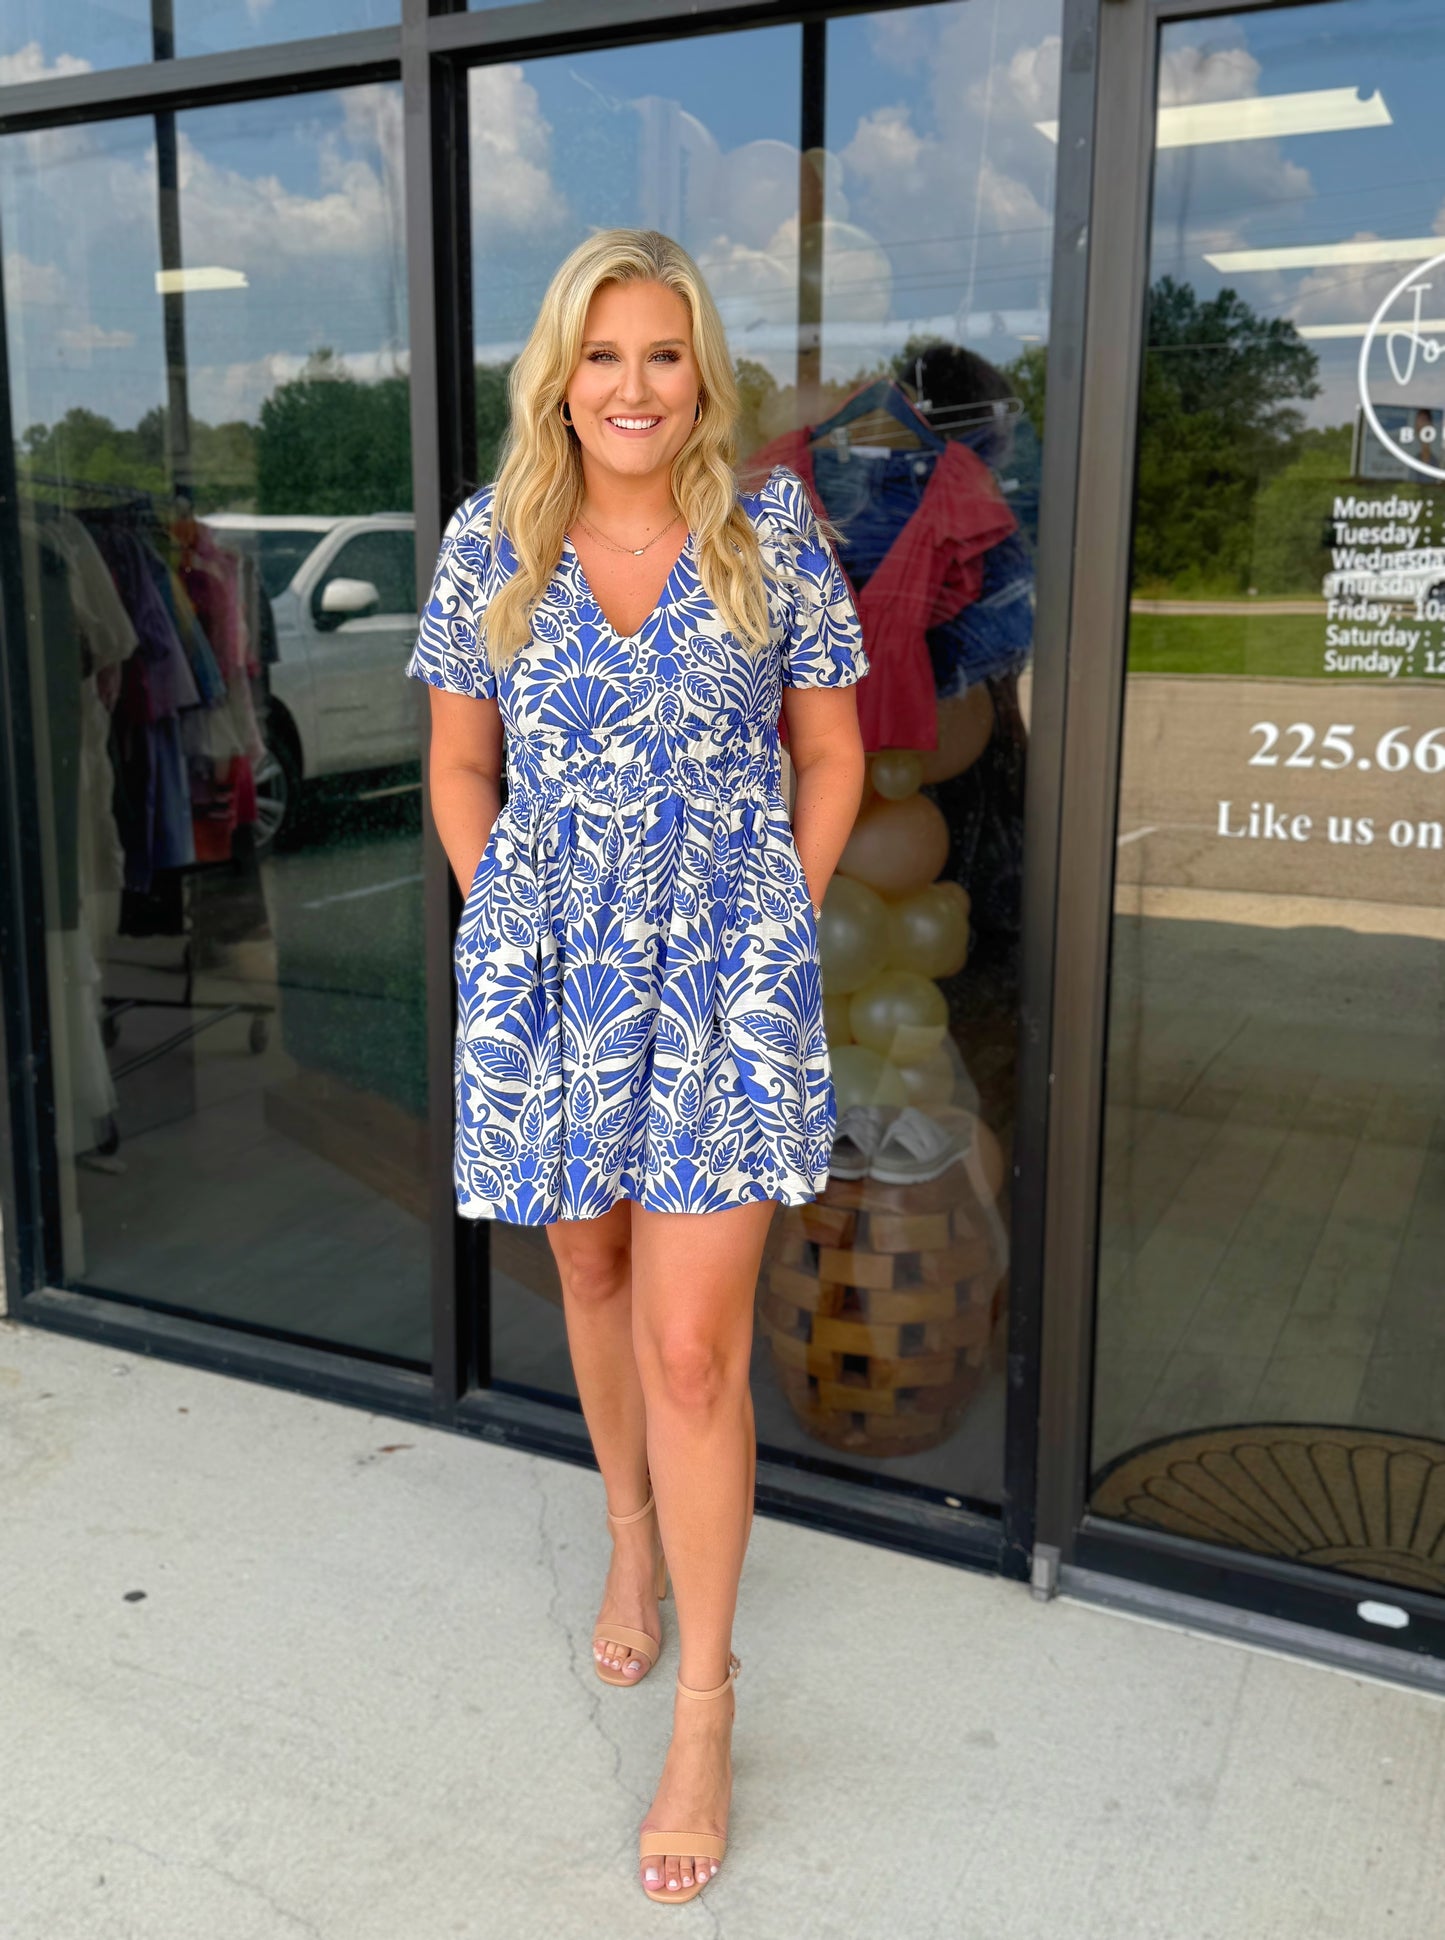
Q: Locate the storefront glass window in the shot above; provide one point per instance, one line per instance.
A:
(880, 248)
(1271, 1362)
(43, 40)
(206, 322)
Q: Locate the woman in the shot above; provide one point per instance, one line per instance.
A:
(641, 1064)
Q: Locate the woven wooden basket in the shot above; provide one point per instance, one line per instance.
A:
(880, 1302)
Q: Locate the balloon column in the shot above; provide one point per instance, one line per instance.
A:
(882, 1298)
(890, 929)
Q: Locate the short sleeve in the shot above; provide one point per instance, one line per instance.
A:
(822, 637)
(448, 652)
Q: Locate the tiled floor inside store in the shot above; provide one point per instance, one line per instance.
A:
(1274, 1208)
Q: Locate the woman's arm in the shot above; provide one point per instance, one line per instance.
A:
(826, 749)
(465, 771)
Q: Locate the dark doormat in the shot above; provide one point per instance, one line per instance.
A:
(1359, 1500)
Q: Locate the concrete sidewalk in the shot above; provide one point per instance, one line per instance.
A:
(270, 1666)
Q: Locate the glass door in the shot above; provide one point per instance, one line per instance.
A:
(1269, 1368)
(871, 199)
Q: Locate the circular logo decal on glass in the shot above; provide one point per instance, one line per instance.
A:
(1401, 349)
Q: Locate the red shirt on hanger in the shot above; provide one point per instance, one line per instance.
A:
(933, 569)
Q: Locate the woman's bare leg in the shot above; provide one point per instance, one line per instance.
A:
(594, 1265)
(694, 1277)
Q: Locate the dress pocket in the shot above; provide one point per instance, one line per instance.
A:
(799, 878)
(485, 864)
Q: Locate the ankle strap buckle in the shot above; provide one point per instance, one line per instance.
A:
(734, 1666)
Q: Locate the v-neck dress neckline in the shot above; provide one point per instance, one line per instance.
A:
(664, 598)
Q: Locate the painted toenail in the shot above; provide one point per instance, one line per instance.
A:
(672, 1885)
(652, 1873)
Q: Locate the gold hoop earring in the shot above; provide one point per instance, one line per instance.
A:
(566, 410)
(697, 414)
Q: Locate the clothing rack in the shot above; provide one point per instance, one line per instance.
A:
(943, 418)
(116, 1007)
(966, 417)
(889, 428)
(137, 499)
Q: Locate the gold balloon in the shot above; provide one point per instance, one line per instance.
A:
(930, 930)
(853, 935)
(897, 847)
(861, 1077)
(965, 722)
(902, 1017)
(897, 772)
(930, 1081)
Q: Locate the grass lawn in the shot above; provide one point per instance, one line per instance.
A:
(1273, 644)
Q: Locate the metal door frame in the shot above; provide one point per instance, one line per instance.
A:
(1305, 1610)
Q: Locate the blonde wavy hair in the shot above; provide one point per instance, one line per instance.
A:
(539, 487)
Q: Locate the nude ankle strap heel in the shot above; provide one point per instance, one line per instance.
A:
(638, 1641)
(734, 1666)
(656, 1843)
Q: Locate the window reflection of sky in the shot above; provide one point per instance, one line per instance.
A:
(939, 184)
(1318, 189)
(301, 195)
(43, 37)
(939, 201)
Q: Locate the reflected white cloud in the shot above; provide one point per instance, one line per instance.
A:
(513, 192)
(260, 225)
(225, 393)
(902, 41)
(28, 63)
(90, 337)
(958, 186)
(757, 291)
(30, 285)
(1209, 199)
(305, 215)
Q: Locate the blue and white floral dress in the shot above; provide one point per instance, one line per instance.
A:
(639, 1000)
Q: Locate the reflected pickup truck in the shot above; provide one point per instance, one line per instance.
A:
(343, 594)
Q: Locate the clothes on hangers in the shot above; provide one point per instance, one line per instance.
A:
(163, 681)
(1018, 467)
(871, 498)
(57, 672)
(210, 682)
(152, 792)
(931, 570)
(184, 739)
(79, 634)
(109, 639)
(994, 635)
(214, 578)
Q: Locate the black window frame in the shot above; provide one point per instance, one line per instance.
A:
(430, 51)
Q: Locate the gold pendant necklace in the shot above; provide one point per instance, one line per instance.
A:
(636, 551)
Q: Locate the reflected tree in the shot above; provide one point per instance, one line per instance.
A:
(1220, 416)
(329, 443)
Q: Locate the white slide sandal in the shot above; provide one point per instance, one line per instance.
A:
(860, 1128)
(915, 1147)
